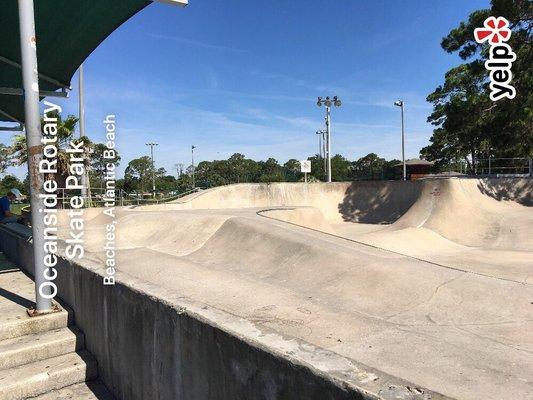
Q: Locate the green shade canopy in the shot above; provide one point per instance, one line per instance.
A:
(67, 32)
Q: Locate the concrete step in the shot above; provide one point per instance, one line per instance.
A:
(39, 346)
(21, 325)
(94, 390)
(44, 376)
(17, 294)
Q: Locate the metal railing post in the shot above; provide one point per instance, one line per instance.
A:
(30, 79)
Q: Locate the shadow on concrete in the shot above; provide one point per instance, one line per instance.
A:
(95, 385)
(508, 189)
(15, 298)
(6, 266)
(376, 203)
(99, 390)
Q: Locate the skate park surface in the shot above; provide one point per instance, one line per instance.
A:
(428, 281)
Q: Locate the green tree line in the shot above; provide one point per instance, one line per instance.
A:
(140, 173)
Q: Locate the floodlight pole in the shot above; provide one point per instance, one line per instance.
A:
(328, 102)
(319, 143)
(322, 148)
(399, 103)
(403, 148)
(192, 159)
(328, 136)
(153, 164)
(324, 152)
(30, 80)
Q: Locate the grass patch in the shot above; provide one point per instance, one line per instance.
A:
(17, 207)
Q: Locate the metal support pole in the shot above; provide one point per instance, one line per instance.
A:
(28, 50)
(153, 169)
(328, 133)
(490, 165)
(403, 148)
(322, 148)
(82, 128)
(192, 159)
(153, 165)
(324, 152)
(81, 95)
(530, 167)
(328, 102)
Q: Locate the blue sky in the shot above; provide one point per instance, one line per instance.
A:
(243, 76)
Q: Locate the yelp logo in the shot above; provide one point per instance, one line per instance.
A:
(496, 32)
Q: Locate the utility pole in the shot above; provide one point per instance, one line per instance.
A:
(153, 165)
(328, 139)
(328, 102)
(81, 111)
(80, 98)
(319, 144)
(322, 148)
(192, 157)
(399, 103)
(32, 127)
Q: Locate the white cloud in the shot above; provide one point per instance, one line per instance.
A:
(197, 43)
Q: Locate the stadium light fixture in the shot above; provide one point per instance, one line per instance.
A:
(328, 102)
(399, 103)
(153, 165)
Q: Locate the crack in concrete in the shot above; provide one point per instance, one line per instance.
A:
(426, 300)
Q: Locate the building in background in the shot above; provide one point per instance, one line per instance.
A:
(416, 169)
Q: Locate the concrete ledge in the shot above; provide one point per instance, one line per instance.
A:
(152, 344)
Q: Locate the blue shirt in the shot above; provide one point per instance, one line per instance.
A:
(4, 206)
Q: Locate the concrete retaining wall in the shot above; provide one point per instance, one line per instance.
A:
(151, 345)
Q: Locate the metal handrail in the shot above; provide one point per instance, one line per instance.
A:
(122, 199)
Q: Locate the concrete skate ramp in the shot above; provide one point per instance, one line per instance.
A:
(519, 190)
(461, 211)
(390, 312)
(478, 225)
(491, 213)
(365, 202)
(455, 321)
(175, 234)
(470, 212)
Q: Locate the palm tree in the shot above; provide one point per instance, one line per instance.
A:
(5, 157)
(65, 133)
